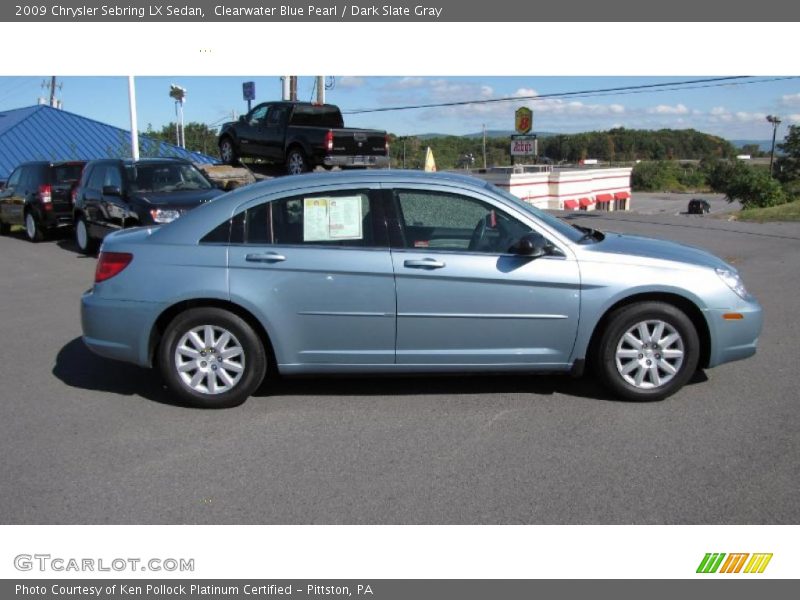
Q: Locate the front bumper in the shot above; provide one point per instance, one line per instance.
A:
(356, 161)
(118, 329)
(734, 339)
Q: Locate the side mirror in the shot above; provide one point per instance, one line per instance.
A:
(242, 118)
(112, 190)
(532, 245)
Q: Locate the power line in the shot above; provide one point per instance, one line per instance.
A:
(624, 90)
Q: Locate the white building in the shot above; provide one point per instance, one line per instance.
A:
(565, 189)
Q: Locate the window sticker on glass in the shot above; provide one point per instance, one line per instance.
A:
(337, 218)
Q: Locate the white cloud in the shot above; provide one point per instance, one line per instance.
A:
(790, 99)
(666, 109)
(350, 82)
(407, 83)
(795, 118)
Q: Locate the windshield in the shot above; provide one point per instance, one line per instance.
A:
(568, 231)
(165, 177)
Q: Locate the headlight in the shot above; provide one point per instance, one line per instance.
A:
(164, 216)
(733, 281)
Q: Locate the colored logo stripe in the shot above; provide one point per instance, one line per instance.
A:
(758, 563)
(733, 564)
(710, 563)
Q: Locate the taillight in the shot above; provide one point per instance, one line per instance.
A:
(110, 264)
(329, 140)
(74, 194)
(45, 194)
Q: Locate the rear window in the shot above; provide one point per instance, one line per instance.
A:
(317, 116)
(66, 173)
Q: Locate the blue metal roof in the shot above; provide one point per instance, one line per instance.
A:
(45, 133)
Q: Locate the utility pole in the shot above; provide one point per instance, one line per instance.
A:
(134, 126)
(775, 122)
(293, 88)
(320, 89)
(484, 146)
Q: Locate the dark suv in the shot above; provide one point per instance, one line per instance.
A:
(39, 196)
(114, 194)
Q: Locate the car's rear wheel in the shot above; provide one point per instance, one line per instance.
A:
(85, 242)
(211, 358)
(33, 230)
(648, 351)
(296, 162)
(227, 151)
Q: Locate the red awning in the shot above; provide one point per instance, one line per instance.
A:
(604, 197)
(586, 201)
(622, 195)
(570, 204)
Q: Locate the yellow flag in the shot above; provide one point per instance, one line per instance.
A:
(430, 164)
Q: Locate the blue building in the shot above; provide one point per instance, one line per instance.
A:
(45, 133)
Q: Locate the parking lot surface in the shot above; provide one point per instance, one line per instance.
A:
(88, 440)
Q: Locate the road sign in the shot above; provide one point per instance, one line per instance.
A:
(523, 120)
(523, 145)
(249, 90)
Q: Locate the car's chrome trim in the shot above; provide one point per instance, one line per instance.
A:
(336, 313)
(481, 316)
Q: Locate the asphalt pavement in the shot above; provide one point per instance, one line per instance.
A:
(89, 440)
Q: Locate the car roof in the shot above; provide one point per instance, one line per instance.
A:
(199, 221)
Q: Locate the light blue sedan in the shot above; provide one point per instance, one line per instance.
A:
(406, 272)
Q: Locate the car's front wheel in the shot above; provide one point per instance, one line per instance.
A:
(648, 351)
(211, 358)
(85, 242)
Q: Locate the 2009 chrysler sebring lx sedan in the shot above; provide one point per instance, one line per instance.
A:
(406, 272)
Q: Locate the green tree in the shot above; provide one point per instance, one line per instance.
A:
(788, 166)
(199, 137)
(752, 187)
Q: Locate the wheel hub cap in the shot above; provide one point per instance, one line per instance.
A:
(649, 354)
(209, 359)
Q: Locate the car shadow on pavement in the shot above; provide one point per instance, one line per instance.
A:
(69, 245)
(436, 385)
(78, 367)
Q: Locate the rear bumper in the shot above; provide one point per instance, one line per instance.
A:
(55, 217)
(118, 329)
(356, 161)
(734, 339)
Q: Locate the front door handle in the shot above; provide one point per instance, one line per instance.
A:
(425, 263)
(268, 257)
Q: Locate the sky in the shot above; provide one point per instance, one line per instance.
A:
(733, 110)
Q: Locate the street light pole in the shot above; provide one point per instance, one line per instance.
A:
(775, 122)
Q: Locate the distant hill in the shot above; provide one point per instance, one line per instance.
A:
(490, 133)
(763, 145)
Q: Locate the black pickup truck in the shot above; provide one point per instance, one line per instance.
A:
(302, 135)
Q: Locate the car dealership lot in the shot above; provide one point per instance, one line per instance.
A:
(86, 440)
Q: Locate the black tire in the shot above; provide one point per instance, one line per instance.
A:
(33, 230)
(296, 162)
(610, 367)
(86, 243)
(227, 151)
(252, 359)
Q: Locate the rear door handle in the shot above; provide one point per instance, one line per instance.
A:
(425, 263)
(268, 257)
